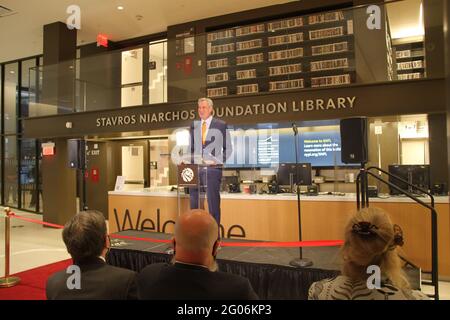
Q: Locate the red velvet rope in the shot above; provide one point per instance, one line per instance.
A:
(261, 244)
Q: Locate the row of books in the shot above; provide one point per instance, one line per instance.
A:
(247, 45)
(329, 64)
(330, 81)
(285, 39)
(217, 77)
(278, 55)
(408, 54)
(410, 65)
(251, 73)
(247, 88)
(217, 92)
(272, 56)
(403, 54)
(283, 85)
(276, 25)
(286, 69)
(410, 76)
(282, 70)
(275, 40)
(246, 74)
(249, 59)
(286, 54)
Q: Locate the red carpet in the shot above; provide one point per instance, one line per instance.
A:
(32, 284)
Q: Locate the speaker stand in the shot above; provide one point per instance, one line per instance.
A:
(299, 262)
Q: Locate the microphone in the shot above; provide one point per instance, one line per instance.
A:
(294, 127)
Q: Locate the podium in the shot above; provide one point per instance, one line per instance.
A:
(194, 177)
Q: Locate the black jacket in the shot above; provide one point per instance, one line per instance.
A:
(99, 281)
(187, 282)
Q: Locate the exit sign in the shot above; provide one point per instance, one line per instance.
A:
(48, 149)
(102, 40)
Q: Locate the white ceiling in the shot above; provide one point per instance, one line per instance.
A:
(21, 33)
(405, 19)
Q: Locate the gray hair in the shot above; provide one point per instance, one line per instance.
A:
(208, 101)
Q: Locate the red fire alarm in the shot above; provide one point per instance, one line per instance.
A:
(48, 149)
(102, 40)
(187, 65)
(94, 175)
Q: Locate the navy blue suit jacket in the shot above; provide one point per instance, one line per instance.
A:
(217, 146)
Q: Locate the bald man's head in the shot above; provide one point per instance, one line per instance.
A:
(196, 231)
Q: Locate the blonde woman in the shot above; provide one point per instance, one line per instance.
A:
(370, 240)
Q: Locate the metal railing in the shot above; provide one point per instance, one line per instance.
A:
(362, 199)
(8, 281)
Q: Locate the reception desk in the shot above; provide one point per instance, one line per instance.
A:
(274, 218)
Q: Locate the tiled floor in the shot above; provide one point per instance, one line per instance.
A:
(33, 245)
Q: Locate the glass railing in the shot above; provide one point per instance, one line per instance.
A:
(345, 47)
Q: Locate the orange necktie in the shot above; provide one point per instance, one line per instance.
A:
(203, 132)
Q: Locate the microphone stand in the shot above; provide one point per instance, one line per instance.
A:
(298, 262)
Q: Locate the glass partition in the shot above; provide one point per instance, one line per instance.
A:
(261, 153)
(28, 174)
(25, 90)
(11, 88)
(1, 130)
(11, 170)
(361, 45)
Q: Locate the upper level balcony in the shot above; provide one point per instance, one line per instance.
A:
(356, 46)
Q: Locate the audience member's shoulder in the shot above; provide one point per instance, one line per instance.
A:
(414, 295)
(230, 277)
(154, 269)
(54, 282)
(242, 289)
(119, 271)
(316, 289)
(57, 277)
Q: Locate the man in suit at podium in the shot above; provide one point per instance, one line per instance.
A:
(210, 146)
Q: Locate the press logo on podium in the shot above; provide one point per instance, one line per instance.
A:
(187, 175)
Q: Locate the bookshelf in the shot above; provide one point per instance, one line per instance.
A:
(409, 60)
(314, 50)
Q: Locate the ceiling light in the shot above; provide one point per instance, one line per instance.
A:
(120, 7)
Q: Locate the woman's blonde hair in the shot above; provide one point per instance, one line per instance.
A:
(370, 239)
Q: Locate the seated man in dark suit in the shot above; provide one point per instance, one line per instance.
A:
(87, 241)
(193, 274)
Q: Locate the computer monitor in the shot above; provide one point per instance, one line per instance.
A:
(287, 172)
(227, 180)
(418, 175)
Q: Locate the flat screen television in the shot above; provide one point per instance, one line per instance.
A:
(287, 173)
(418, 175)
(321, 148)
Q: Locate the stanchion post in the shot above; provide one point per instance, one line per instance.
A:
(8, 281)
